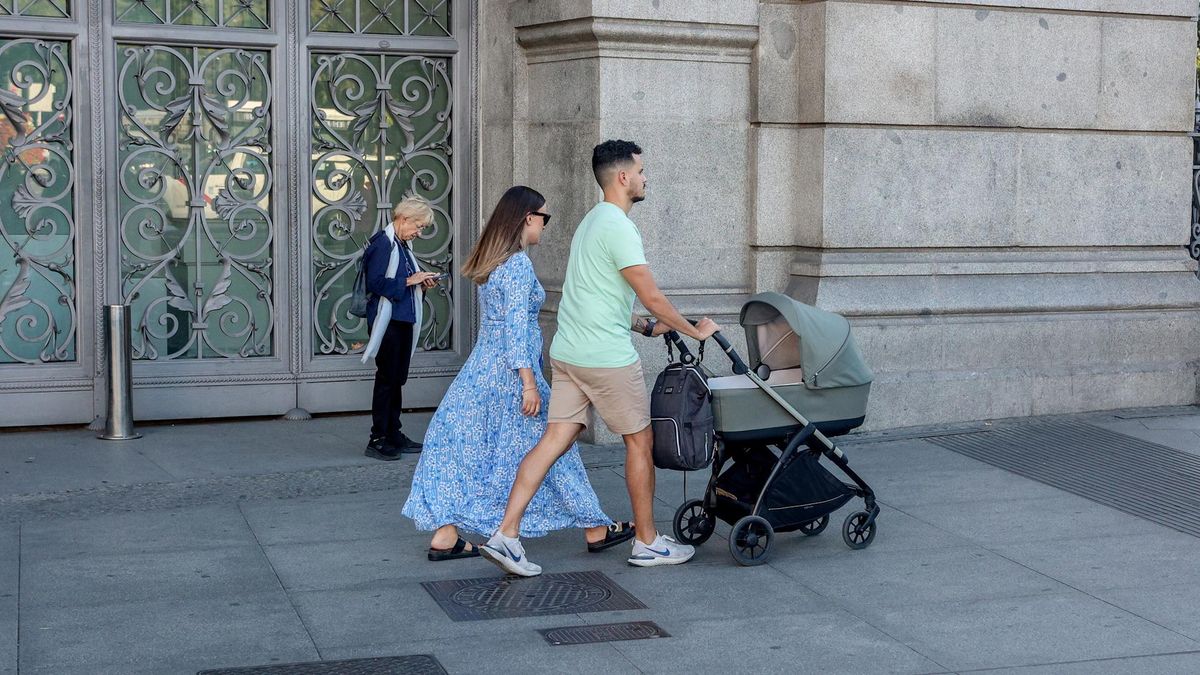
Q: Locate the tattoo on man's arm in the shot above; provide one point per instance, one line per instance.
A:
(639, 325)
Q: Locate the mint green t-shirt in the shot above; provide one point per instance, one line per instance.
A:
(597, 303)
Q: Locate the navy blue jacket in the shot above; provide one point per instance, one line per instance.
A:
(375, 262)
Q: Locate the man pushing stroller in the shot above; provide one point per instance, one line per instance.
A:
(594, 362)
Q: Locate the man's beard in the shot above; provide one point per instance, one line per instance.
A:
(639, 198)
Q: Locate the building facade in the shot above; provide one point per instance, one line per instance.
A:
(996, 192)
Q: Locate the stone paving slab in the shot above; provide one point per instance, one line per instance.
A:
(1107, 562)
(1059, 518)
(370, 515)
(1171, 606)
(141, 532)
(75, 460)
(955, 486)
(1167, 664)
(181, 576)
(520, 652)
(874, 579)
(826, 643)
(164, 635)
(1030, 630)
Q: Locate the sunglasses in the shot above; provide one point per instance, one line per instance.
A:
(545, 217)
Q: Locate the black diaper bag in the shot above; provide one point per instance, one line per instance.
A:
(682, 418)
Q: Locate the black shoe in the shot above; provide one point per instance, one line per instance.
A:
(405, 444)
(378, 448)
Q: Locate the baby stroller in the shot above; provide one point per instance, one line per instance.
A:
(767, 476)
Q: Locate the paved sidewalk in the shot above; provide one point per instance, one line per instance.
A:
(229, 544)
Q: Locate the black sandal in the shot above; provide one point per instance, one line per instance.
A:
(459, 551)
(617, 532)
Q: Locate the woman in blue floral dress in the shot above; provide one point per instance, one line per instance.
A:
(494, 411)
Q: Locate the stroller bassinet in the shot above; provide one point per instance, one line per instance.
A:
(823, 375)
(767, 476)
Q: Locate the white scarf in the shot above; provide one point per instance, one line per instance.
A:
(384, 313)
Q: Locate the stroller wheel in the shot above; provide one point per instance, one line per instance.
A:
(750, 540)
(815, 527)
(692, 524)
(855, 532)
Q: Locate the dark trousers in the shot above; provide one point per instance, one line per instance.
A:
(391, 363)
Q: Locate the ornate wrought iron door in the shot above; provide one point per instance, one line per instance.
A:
(238, 154)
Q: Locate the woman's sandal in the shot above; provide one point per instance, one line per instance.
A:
(459, 550)
(617, 532)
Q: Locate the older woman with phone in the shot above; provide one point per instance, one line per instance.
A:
(394, 283)
(495, 410)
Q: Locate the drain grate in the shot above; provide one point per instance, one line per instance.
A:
(544, 595)
(390, 665)
(608, 632)
(1142, 479)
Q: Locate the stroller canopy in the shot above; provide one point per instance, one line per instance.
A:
(784, 333)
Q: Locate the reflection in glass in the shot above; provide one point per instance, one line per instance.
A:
(211, 13)
(194, 201)
(49, 9)
(37, 203)
(381, 17)
(381, 130)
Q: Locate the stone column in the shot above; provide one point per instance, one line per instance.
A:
(672, 76)
(998, 197)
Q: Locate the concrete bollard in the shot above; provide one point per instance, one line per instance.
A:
(119, 424)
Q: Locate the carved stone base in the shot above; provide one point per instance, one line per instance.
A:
(297, 415)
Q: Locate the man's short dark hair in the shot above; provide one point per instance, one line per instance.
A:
(610, 154)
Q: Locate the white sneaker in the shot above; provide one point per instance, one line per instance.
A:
(508, 554)
(664, 551)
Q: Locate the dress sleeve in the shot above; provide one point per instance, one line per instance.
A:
(516, 285)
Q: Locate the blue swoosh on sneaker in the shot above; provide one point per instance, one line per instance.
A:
(664, 553)
(515, 557)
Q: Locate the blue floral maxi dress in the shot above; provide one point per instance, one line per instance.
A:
(478, 436)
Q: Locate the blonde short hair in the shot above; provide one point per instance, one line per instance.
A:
(415, 207)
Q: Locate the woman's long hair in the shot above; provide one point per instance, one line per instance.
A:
(501, 236)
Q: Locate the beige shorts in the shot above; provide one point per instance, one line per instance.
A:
(619, 395)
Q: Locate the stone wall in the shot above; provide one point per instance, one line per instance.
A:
(995, 192)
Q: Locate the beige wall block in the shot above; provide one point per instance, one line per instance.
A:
(879, 63)
(918, 188)
(789, 64)
(1168, 8)
(789, 186)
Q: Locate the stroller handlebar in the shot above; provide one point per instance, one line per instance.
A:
(685, 355)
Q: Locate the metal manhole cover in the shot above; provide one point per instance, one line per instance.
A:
(1143, 479)
(511, 597)
(421, 664)
(608, 632)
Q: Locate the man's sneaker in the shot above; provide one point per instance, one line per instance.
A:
(664, 551)
(402, 443)
(378, 448)
(508, 554)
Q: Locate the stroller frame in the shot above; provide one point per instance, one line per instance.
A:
(751, 535)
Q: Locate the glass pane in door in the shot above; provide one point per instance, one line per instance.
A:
(381, 131)
(195, 188)
(38, 299)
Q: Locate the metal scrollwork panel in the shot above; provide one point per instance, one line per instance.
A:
(210, 13)
(195, 188)
(380, 131)
(381, 17)
(47, 9)
(38, 300)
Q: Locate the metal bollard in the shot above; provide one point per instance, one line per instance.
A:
(119, 424)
